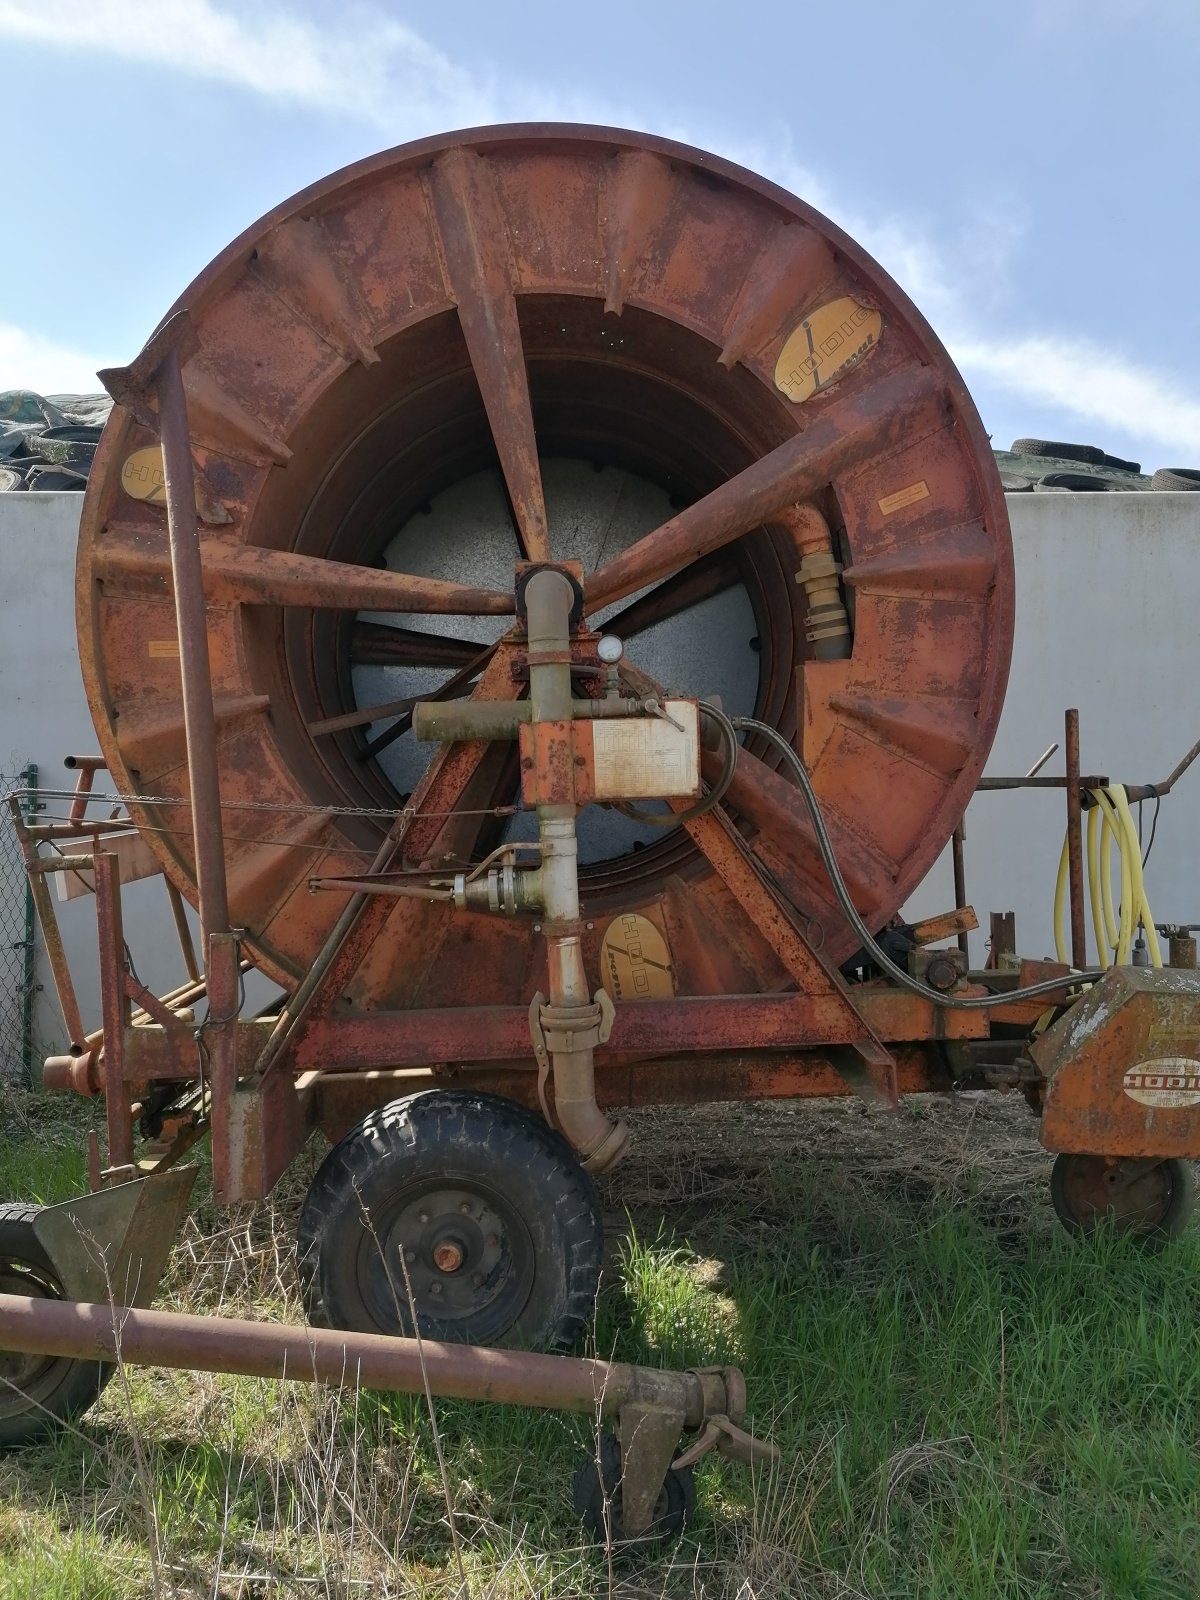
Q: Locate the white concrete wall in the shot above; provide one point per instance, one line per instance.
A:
(1108, 608)
(44, 716)
(1108, 599)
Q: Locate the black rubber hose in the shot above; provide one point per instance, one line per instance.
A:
(879, 955)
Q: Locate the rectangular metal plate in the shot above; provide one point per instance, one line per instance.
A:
(648, 758)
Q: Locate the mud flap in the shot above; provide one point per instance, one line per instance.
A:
(112, 1246)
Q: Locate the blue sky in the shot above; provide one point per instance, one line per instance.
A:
(1025, 168)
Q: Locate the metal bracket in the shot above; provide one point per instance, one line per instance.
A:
(728, 1440)
(649, 1436)
(540, 1053)
(114, 1244)
(608, 1014)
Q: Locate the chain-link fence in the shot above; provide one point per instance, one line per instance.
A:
(19, 1046)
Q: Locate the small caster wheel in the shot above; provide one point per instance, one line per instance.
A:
(1149, 1204)
(38, 1394)
(597, 1497)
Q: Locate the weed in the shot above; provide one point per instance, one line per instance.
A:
(969, 1403)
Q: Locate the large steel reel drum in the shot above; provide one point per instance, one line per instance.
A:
(547, 342)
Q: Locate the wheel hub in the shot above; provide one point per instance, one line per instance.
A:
(461, 1254)
(1135, 1200)
(448, 1256)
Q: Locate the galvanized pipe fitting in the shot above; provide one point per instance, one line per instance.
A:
(549, 599)
(827, 625)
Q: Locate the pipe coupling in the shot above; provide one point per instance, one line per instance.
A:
(827, 626)
(73, 1074)
(507, 889)
(575, 1028)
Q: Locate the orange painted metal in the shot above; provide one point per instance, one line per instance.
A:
(555, 770)
(1024, 1013)
(1123, 1067)
(514, 293)
(700, 1025)
(342, 1099)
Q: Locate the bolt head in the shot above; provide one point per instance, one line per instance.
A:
(448, 1256)
(422, 1216)
(465, 1208)
(435, 1288)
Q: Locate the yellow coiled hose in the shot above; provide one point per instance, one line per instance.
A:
(1110, 821)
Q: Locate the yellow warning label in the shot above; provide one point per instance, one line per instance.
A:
(904, 497)
(635, 963)
(827, 344)
(163, 649)
(142, 475)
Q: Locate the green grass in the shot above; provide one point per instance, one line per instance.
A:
(969, 1404)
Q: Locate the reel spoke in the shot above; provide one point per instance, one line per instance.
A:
(252, 575)
(861, 420)
(377, 644)
(695, 584)
(475, 249)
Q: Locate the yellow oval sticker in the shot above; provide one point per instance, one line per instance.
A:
(635, 963)
(142, 475)
(142, 478)
(829, 341)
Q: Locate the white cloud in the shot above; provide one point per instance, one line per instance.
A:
(31, 362)
(1088, 382)
(1054, 371)
(369, 67)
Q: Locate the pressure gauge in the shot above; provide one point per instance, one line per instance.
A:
(610, 649)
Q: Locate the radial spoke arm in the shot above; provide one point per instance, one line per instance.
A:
(701, 582)
(251, 575)
(474, 246)
(852, 425)
(378, 644)
(454, 688)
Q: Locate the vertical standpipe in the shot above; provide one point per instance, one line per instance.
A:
(571, 1022)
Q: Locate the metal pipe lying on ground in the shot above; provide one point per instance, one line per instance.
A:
(80, 1331)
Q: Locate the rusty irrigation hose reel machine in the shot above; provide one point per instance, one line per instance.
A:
(515, 446)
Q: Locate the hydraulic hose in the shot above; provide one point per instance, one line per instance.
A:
(869, 942)
(1141, 910)
(1110, 821)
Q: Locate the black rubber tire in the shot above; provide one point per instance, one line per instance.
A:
(1176, 480)
(596, 1493)
(1080, 482)
(38, 1394)
(540, 1261)
(1152, 1234)
(1088, 453)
